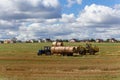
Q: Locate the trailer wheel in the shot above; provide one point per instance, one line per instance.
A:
(40, 52)
(71, 54)
(63, 54)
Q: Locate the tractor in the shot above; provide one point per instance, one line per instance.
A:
(90, 49)
(46, 51)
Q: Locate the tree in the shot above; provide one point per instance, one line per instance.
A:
(92, 40)
(14, 39)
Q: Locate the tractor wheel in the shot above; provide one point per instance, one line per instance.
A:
(39, 54)
(94, 53)
(84, 53)
(48, 53)
(90, 51)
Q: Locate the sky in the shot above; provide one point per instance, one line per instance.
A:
(59, 19)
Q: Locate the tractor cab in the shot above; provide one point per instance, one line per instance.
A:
(47, 48)
(46, 51)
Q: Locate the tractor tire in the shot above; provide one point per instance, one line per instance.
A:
(48, 53)
(90, 51)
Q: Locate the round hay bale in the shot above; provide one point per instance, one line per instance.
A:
(57, 44)
(54, 43)
(69, 49)
(62, 49)
(77, 48)
(57, 49)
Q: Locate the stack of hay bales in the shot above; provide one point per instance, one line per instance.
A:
(59, 48)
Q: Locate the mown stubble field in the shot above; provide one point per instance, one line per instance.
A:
(20, 62)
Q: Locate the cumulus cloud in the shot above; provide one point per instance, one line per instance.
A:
(98, 14)
(72, 2)
(94, 21)
(70, 18)
(40, 30)
(26, 9)
(117, 6)
(104, 21)
(16, 13)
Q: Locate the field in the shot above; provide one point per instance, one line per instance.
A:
(20, 62)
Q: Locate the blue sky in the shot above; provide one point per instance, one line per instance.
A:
(76, 8)
(59, 19)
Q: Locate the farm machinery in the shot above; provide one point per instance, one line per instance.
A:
(46, 51)
(59, 48)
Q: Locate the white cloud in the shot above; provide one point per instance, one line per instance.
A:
(40, 30)
(68, 18)
(101, 21)
(79, 1)
(22, 9)
(99, 15)
(95, 21)
(117, 6)
(72, 2)
(17, 13)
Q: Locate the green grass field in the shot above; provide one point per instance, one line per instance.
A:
(20, 62)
